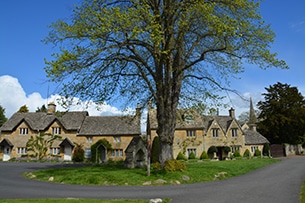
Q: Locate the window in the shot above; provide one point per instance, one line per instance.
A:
(117, 139)
(191, 133)
(23, 131)
(56, 131)
(235, 148)
(215, 132)
(22, 150)
(117, 153)
(88, 139)
(189, 151)
(54, 150)
(254, 148)
(234, 132)
(87, 154)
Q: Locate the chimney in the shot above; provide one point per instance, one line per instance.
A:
(138, 111)
(51, 108)
(232, 113)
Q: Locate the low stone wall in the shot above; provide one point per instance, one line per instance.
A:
(291, 150)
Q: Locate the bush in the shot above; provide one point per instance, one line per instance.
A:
(266, 149)
(192, 155)
(227, 149)
(78, 154)
(204, 155)
(257, 152)
(246, 153)
(155, 150)
(236, 153)
(174, 165)
(212, 150)
(156, 166)
(181, 156)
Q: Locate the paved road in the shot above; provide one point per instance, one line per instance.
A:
(279, 183)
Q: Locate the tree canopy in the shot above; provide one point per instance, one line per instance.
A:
(282, 115)
(3, 119)
(23, 109)
(168, 51)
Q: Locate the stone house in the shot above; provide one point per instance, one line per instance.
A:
(73, 127)
(196, 133)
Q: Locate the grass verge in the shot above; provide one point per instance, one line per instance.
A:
(74, 201)
(116, 174)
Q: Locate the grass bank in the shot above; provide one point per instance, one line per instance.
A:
(116, 174)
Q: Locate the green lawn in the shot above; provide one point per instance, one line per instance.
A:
(116, 174)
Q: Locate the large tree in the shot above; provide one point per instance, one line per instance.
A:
(3, 119)
(168, 51)
(282, 115)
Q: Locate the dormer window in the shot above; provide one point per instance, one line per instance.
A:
(234, 132)
(188, 118)
(215, 132)
(56, 131)
(23, 131)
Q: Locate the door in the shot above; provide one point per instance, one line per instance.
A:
(68, 153)
(7, 153)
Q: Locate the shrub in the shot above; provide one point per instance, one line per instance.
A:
(78, 154)
(227, 149)
(181, 156)
(246, 153)
(257, 152)
(94, 153)
(174, 165)
(192, 155)
(156, 166)
(266, 149)
(155, 150)
(236, 153)
(204, 155)
(212, 150)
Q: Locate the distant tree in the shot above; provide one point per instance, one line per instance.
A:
(244, 116)
(173, 52)
(23, 109)
(282, 114)
(3, 119)
(43, 108)
(38, 145)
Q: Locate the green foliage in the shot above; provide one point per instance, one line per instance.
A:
(78, 153)
(212, 149)
(3, 119)
(266, 149)
(236, 153)
(181, 156)
(38, 145)
(257, 152)
(282, 114)
(155, 150)
(94, 153)
(174, 165)
(43, 108)
(192, 155)
(204, 155)
(23, 109)
(227, 149)
(246, 153)
(131, 47)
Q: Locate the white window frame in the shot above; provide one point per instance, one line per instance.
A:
(87, 154)
(234, 132)
(21, 150)
(89, 139)
(117, 153)
(117, 139)
(56, 130)
(23, 131)
(55, 150)
(215, 132)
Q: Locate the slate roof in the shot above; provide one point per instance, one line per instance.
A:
(132, 145)
(40, 121)
(110, 125)
(254, 137)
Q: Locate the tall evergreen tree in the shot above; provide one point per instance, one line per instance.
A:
(3, 119)
(282, 114)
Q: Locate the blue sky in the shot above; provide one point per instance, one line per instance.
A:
(24, 25)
